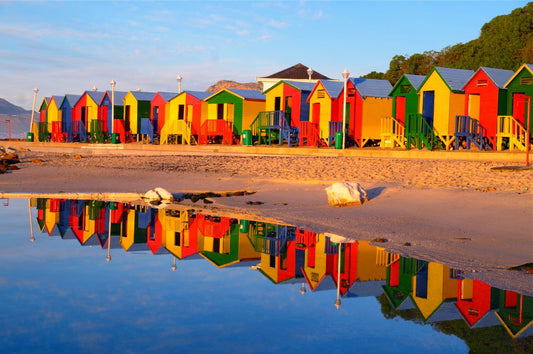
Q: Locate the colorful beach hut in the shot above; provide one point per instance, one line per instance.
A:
(323, 108)
(67, 108)
(512, 128)
(86, 115)
(516, 313)
(54, 119)
(404, 103)
(285, 107)
(158, 111)
(137, 107)
(229, 112)
(105, 110)
(485, 100)
(185, 114)
(42, 125)
(441, 98)
(475, 300)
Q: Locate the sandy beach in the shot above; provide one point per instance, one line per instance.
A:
(458, 212)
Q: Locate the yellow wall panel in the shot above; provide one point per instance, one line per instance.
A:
(374, 108)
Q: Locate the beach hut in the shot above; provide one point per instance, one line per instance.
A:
(137, 221)
(404, 102)
(184, 116)
(371, 102)
(158, 111)
(441, 98)
(67, 109)
(485, 100)
(229, 112)
(86, 115)
(179, 233)
(285, 107)
(512, 128)
(398, 286)
(475, 300)
(53, 120)
(323, 108)
(104, 116)
(515, 312)
(137, 107)
(42, 125)
(315, 266)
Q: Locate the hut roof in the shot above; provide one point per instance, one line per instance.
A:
(454, 78)
(298, 72)
(372, 87)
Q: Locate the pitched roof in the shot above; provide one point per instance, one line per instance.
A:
(247, 94)
(70, 99)
(167, 95)
(119, 97)
(498, 76)
(415, 80)
(333, 88)
(201, 95)
(95, 95)
(299, 85)
(455, 78)
(143, 96)
(299, 72)
(526, 66)
(372, 87)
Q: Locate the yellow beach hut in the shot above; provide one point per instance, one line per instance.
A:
(184, 115)
(54, 119)
(441, 98)
(137, 106)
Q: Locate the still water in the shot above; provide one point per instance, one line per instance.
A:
(87, 276)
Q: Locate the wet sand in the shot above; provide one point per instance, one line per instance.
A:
(461, 213)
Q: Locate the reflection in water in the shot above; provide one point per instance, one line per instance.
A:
(427, 291)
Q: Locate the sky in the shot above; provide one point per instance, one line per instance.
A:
(71, 46)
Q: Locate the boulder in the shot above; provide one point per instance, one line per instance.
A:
(164, 194)
(157, 195)
(346, 193)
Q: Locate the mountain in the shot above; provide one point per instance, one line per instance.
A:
(222, 84)
(19, 118)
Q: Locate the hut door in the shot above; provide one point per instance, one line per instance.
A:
(474, 106)
(400, 109)
(422, 281)
(127, 118)
(519, 106)
(288, 109)
(220, 111)
(428, 107)
(155, 115)
(277, 103)
(316, 115)
(181, 112)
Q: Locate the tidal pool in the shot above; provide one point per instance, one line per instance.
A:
(88, 276)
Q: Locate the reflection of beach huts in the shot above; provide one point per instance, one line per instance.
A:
(179, 234)
(441, 98)
(315, 266)
(515, 313)
(404, 103)
(512, 128)
(399, 280)
(184, 117)
(475, 301)
(485, 100)
(229, 112)
(138, 222)
(432, 287)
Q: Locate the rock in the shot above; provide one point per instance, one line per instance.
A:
(345, 194)
(37, 161)
(158, 194)
(151, 196)
(164, 194)
(77, 156)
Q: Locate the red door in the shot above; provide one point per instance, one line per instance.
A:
(316, 115)
(519, 106)
(400, 109)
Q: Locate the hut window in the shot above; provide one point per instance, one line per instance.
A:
(526, 80)
(177, 238)
(481, 83)
(181, 112)
(405, 89)
(351, 92)
(321, 94)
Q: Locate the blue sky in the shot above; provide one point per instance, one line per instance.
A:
(70, 46)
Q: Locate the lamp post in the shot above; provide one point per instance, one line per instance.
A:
(32, 238)
(35, 90)
(9, 125)
(338, 300)
(345, 75)
(179, 78)
(174, 265)
(310, 72)
(113, 138)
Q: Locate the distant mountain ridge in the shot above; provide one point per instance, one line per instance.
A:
(222, 84)
(8, 108)
(18, 117)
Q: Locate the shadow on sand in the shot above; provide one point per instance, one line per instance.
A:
(374, 192)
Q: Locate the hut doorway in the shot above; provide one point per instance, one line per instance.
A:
(474, 106)
(400, 109)
(428, 107)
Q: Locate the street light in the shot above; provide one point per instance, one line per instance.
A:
(35, 90)
(345, 75)
(113, 139)
(179, 78)
(310, 72)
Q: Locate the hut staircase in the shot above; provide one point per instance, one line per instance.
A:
(147, 131)
(123, 131)
(419, 133)
(310, 135)
(213, 129)
(392, 133)
(334, 128)
(384, 258)
(469, 130)
(79, 132)
(512, 133)
(96, 133)
(305, 239)
(44, 134)
(184, 129)
(272, 239)
(57, 132)
(269, 126)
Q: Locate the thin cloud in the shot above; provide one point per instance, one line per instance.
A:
(277, 24)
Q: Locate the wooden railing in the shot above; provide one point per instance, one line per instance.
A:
(392, 133)
(510, 131)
